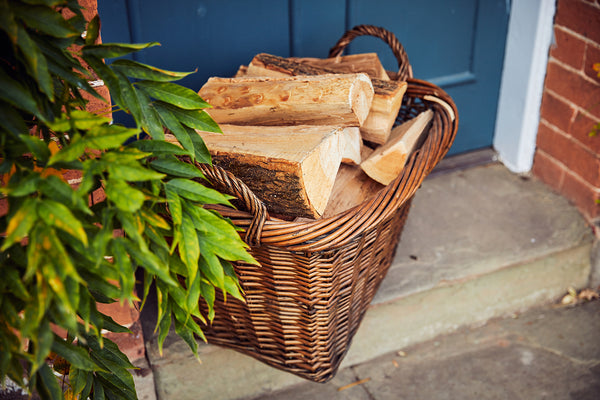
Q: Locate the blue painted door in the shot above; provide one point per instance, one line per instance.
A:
(457, 44)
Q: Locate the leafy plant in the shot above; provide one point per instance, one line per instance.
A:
(62, 253)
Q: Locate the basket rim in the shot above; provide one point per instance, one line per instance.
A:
(339, 229)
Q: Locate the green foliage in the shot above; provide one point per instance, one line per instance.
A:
(61, 254)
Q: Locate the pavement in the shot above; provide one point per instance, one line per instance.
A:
(479, 244)
(550, 352)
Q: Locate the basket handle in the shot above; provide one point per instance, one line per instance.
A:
(228, 183)
(404, 68)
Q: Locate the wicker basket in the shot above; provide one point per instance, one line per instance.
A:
(315, 281)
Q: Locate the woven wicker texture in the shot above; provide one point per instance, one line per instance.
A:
(316, 279)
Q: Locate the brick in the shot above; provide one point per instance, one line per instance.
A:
(96, 105)
(570, 153)
(580, 128)
(592, 56)
(122, 314)
(568, 48)
(131, 344)
(582, 194)
(548, 170)
(572, 86)
(556, 111)
(580, 17)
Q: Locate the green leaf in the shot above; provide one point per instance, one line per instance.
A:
(150, 262)
(211, 268)
(138, 70)
(14, 93)
(151, 122)
(125, 197)
(189, 249)
(195, 191)
(110, 325)
(164, 325)
(48, 382)
(130, 98)
(58, 215)
(200, 149)
(57, 189)
(193, 291)
(110, 50)
(196, 119)
(12, 121)
(98, 390)
(174, 167)
(45, 19)
(126, 270)
(78, 119)
(108, 351)
(176, 128)
(158, 147)
(21, 222)
(37, 147)
(78, 379)
(25, 186)
(187, 336)
(132, 172)
(232, 288)
(108, 136)
(43, 343)
(13, 281)
(175, 207)
(70, 152)
(93, 31)
(208, 293)
(218, 236)
(36, 63)
(75, 355)
(154, 219)
(108, 76)
(173, 94)
(7, 21)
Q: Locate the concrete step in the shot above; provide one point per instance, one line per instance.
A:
(479, 243)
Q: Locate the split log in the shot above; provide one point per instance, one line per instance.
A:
(352, 146)
(387, 97)
(340, 100)
(387, 161)
(352, 187)
(291, 169)
(368, 63)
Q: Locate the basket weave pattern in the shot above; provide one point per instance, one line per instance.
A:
(316, 279)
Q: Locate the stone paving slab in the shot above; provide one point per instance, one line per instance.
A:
(546, 353)
(475, 221)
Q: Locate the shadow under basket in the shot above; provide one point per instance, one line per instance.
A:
(316, 279)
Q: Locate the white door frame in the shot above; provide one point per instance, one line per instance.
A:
(530, 34)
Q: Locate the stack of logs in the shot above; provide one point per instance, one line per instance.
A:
(311, 137)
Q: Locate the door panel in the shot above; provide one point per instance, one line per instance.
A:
(458, 44)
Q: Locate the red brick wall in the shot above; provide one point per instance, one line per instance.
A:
(567, 158)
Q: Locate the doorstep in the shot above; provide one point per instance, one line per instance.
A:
(478, 243)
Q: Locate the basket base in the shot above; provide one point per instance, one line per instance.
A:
(303, 309)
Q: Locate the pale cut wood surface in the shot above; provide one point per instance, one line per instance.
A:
(387, 98)
(387, 161)
(352, 187)
(292, 169)
(368, 63)
(352, 146)
(337, 99)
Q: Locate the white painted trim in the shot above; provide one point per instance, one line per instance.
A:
(530, 35)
